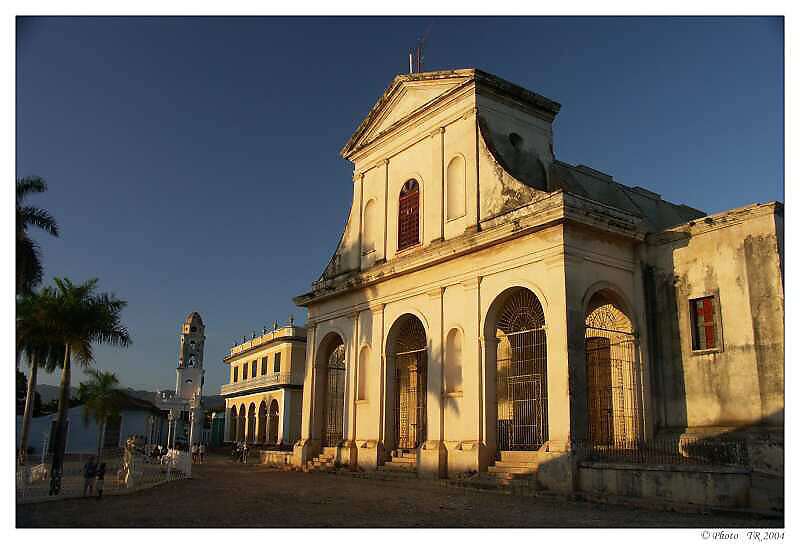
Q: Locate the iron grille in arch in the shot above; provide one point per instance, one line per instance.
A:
(410, 384)
(408, 216)
(612, 378)
(334, 398)
(521, 386)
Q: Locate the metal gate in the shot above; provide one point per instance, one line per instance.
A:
(334, 398)
(521, 386)
(612, 378)
(410, 385)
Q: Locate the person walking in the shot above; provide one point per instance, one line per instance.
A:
(89, 473)
(100, 482)
(194, 453)
(202, 452)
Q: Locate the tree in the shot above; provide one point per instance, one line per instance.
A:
(100, 398)
(42, 350)
(29, 262)
(79, 317)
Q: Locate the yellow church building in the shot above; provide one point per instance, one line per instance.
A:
(491, 309)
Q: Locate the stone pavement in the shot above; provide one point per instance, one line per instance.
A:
(226, 494)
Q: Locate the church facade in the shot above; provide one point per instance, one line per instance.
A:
(490, 306)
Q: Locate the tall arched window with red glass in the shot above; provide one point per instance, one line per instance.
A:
(408, 219)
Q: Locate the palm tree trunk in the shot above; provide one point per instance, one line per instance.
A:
(26, 417)
(61, 423)
(101, 431)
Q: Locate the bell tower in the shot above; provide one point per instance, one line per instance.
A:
(190, 358)
(190, 377)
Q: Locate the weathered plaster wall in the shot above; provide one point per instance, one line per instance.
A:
(734, 256)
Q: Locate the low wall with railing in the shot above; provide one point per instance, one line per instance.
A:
(706, 472)
(33, 480)
(275, 458)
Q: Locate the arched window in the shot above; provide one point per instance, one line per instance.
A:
(369, 234)
(453, 361)
(456, 188)
(408, 215)
(363, 370)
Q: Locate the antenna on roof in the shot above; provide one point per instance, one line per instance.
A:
(416, 56)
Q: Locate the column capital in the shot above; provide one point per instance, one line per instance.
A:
(435, 293)
(470, 284)
(386, 162)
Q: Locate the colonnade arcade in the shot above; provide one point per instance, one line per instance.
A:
(255, 422)
(515, 398)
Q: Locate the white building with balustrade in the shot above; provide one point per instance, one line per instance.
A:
(263, 399)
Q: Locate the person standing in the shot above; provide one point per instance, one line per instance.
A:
(89, 473)
(194, 453)
(244, 453)
(100, 482)
(202, 452)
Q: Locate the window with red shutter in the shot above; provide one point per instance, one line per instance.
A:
(408, 216)
(704, 323)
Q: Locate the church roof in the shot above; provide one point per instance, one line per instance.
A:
(484, 80)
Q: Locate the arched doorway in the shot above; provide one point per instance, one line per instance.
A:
(521, 373)
(612, 374)
(262, 422)
(334, 383)
(240, 426)
(232, 424)
(409, 352)
(273, 422)
(251, 424)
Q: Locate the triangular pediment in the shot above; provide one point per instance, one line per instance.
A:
(407, 95)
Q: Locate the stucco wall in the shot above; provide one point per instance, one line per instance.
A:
(735, 257)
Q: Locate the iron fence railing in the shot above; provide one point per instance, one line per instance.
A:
(670, 451)
(33, 479)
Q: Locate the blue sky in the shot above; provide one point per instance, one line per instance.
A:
(193, 162)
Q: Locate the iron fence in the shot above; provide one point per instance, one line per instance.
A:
(33, 479)
(670, 451)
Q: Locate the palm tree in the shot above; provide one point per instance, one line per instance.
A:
(100, 398)
(41, 350)
(29, 262)
(79, 317)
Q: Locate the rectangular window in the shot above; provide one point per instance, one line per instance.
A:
(235, 374)
(255, 369)
(705, 329)
(244, 371)
(277, 364)
(263, 366)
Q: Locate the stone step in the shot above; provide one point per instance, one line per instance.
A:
(516, 464)
(407, 460)
(519, 456)
(399, 467)
(412, 454)
(512, 470)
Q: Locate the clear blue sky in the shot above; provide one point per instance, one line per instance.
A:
(193, 162)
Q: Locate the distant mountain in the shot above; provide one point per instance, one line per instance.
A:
(50, 392)
(209, 401)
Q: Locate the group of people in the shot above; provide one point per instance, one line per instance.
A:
(94, 476)
(198, 453)
(239, 452)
